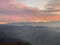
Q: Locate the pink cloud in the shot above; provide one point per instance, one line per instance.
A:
(21, 13)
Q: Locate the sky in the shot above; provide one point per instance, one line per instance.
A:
(29, 11)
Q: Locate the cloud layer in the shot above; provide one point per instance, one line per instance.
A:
(20, 12)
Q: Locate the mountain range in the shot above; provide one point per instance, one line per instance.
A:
(36, 35)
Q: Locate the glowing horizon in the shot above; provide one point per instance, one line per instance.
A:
(4, 22)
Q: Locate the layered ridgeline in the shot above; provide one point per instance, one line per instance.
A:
(48, 24)
(35, 35)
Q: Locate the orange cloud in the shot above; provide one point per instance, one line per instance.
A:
(54, 18)
(27, 18)
(3, 22)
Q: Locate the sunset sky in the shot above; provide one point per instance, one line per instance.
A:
(29, 10)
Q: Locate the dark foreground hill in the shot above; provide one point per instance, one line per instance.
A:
(7, 37)
(10, 41)
(35, 35)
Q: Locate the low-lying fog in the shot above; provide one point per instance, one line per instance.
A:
(36, 35)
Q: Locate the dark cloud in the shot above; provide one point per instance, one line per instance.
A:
(18, 11)
(55, 2)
